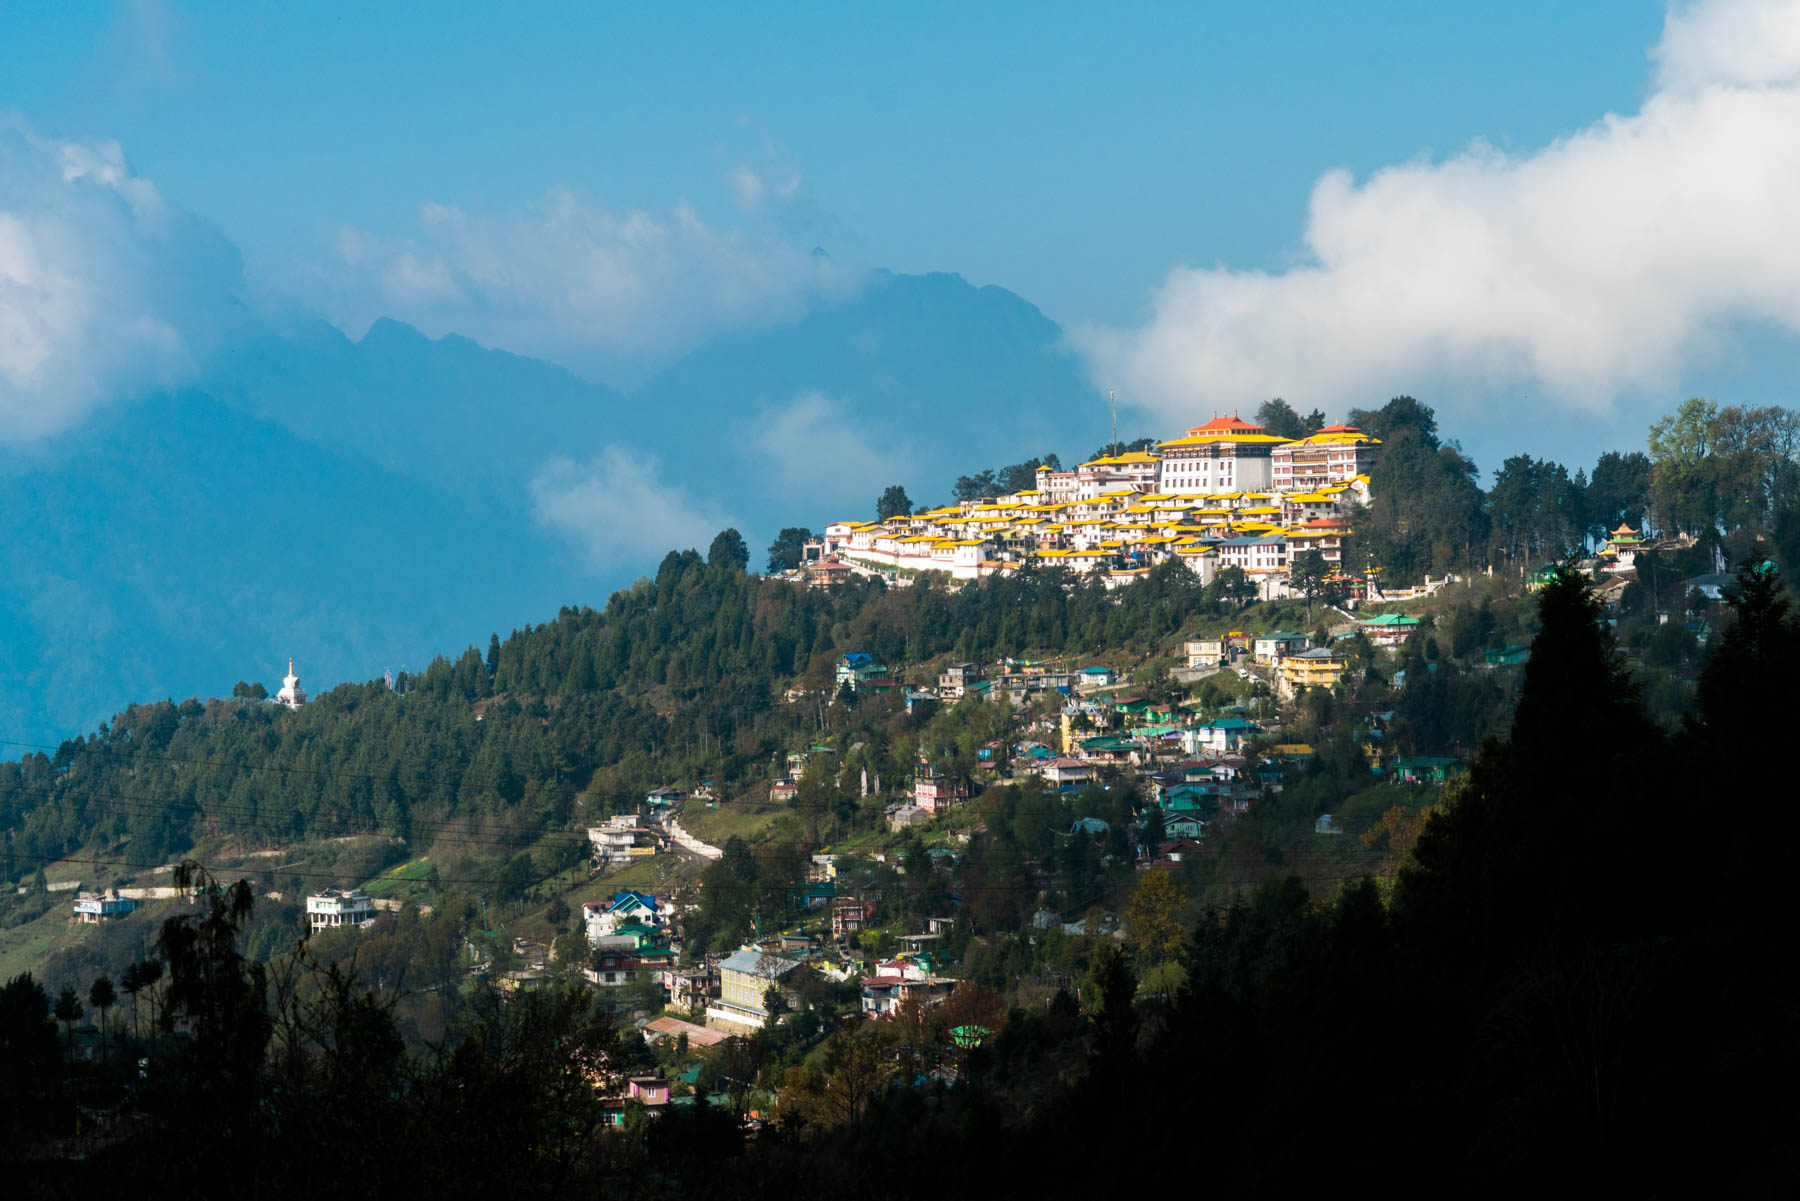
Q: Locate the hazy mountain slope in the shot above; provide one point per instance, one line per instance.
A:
(172, 547)
(445, 412)
(928, 377)
(362, 503)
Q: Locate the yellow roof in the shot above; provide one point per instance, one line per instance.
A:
(1211, 439)
(1136, 456)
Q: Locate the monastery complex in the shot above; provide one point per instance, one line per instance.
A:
(1224, 494)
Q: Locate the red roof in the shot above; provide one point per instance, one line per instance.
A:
(1226, 425)
(1341, 429)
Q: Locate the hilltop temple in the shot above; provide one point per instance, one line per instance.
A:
(291, 694)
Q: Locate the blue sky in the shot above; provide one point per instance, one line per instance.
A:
(1149, 175)
(1070, 152)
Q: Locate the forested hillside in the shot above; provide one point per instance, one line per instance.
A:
(676, 679)
(1551, 985)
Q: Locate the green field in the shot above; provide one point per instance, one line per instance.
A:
(748, 822)
(24, 948)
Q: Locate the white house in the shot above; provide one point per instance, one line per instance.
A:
(339, 907)
(1065, 771)
(1218, 737)
(92, 908)
(620, 839)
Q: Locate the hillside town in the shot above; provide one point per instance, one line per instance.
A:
(1226, 493)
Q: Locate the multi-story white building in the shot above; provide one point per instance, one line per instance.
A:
(623, 837)
(1057, 487)
(1265, 553)
(337, 907)
(1135, 471)
(1336, 454)
(1224, 455)
(92, 908)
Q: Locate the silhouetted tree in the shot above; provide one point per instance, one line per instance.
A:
(102, 997)
(893, 503)
(728, 551)
(789, 548)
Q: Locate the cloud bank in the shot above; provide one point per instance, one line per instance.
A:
(106, 290)
(812, 448)
(571, 280)
(620, 506)
(1601, 263)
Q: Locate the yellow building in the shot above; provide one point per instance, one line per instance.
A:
(1317, 668)
(744, 982)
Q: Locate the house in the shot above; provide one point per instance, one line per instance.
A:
(858, 670)
(1273, 647)
(1324, 825)
(1320, 667)
(339, 907)
(1390, 629)
(902, 816)
(653, 1091)
(603, 918)
(1097, 677)
(614, 967)
(665, 798)
(1206, 652)
(937, 793)
(954, 680)
(1106, 748)
(1426, 770)
(1183, 825)
(745, 978)
(896, 983)
(1706, 588)
(1062, 772)
(1093, 827)
(783, 790)
(1179, 848)
(621, 838)
(92, 908)
(826, 572)
(849, 914)
(690, 986)
(1219, 736)
(1508, 656)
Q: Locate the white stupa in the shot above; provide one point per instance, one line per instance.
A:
(291, 694)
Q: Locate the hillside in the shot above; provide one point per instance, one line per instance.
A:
(175, 546)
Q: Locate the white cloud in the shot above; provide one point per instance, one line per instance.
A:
(106, 290)
(621, 506)
(571, 280)
(809, 448)
(1604, 262)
